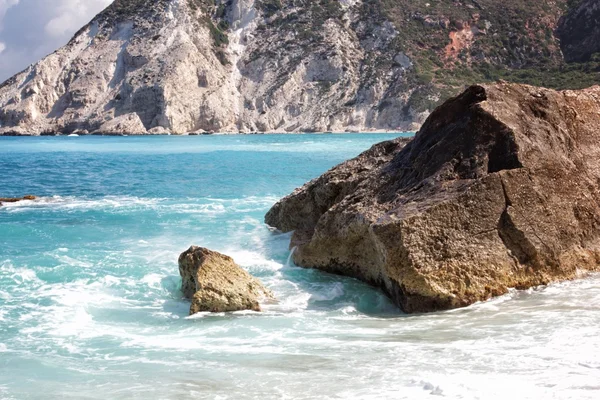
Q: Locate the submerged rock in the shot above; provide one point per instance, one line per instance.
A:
(15, 199)
(215, 283)
(500, 189)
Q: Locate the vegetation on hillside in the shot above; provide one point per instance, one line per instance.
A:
(450, 43)
(513, 40)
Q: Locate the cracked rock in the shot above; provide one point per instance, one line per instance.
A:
(498, 190)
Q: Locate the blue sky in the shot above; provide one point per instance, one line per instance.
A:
(31, 29)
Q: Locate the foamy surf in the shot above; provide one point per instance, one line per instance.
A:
(91, 306)
(61, 203)
(190, 206)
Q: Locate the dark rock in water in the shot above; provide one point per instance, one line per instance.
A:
(215, 283)
(579, 32)
(13, 132)
(15, 199)
(500, 189)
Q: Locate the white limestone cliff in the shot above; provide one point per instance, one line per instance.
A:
(159, 66)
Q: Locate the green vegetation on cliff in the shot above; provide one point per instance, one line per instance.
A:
(445, 44)
(456, 43)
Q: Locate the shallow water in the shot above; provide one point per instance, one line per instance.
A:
(90, 306)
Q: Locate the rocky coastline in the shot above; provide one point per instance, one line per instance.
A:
(499, 189)
(22, 133)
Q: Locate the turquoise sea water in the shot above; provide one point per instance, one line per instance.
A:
(90, 306)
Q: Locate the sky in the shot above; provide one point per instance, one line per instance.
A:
(32, 29)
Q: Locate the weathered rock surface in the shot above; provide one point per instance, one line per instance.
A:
(499, 189)
(180, 66)
(122, 125)
(215, 283)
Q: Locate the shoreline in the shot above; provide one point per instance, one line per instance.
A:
(207, 134)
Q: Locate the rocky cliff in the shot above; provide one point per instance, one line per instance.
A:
(178, 66)
(579, 32)
(499, 189)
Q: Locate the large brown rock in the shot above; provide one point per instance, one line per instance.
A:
(215, 283)
(498, 190)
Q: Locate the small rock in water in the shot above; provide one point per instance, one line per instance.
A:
(15, 199)
(215, 283)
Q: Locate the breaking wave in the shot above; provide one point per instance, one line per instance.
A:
(91, 307)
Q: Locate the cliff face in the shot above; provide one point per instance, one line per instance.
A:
(177, 66)
(579, 32)
(498, 190)
(138, 66)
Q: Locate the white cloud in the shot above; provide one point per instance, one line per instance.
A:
(71, 13)
(31, 29)
(2, 47)
(5, 5)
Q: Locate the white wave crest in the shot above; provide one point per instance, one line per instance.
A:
(206, 206)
